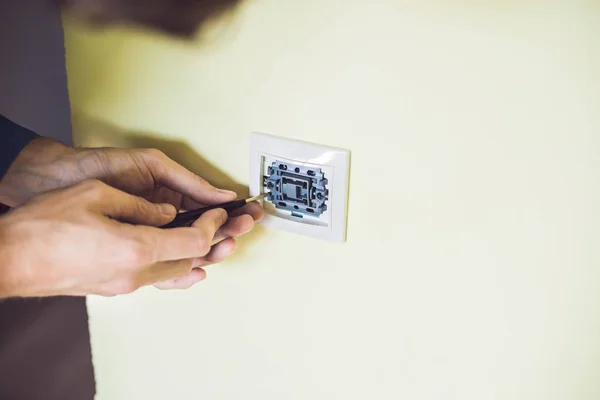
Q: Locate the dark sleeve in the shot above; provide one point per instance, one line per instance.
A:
(13, 138)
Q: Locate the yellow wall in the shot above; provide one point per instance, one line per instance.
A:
(478, 122)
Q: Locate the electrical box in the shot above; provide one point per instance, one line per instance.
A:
(306, 183)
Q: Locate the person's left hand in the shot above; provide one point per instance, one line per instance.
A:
(45, 165)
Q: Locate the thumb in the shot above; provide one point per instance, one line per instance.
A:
(124, 207)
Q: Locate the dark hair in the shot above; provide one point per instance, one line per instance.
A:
(175, 17)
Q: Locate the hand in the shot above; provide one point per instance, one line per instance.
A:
(47, 165)
(84, 240)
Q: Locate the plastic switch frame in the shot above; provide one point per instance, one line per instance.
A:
(298, 201)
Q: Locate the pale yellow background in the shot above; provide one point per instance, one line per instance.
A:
(472, 267)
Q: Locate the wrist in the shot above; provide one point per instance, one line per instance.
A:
(31, 172)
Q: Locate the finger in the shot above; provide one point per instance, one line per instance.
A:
(189, 204)
(167, 172)
(185, 282)
(166, 271)
(235, 226)
(217, 254)
(165, 195)
(253, 209)
(210, 225)
(179, 243)
(125, 207)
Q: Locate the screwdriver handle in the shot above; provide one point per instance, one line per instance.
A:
(187, 218)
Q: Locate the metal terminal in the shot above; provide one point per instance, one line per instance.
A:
(258, 197)
(302, 190)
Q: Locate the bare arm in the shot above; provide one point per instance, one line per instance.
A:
(74, 202)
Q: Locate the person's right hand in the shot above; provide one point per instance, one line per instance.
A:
(94, 239)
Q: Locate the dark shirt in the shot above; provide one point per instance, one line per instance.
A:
(13, 138)
(44, 343)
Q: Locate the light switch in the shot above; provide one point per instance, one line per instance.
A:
(307, 185)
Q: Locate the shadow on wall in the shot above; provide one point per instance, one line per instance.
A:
(93, 133)
(180, 18)
(100, 43)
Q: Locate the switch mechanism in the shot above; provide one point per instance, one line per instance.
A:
(299, 189)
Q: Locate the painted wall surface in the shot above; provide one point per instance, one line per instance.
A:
(472, 267)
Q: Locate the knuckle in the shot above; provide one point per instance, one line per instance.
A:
(202, 181)
(92, 184)
(153, 153)
(99, 160)
(215, 218)
(203, 242)
(204, 248)
(126, 286)
(108, 293)
(154, 160)
(140, 207)
(162, 285)
(220, 218)
(138, 255)
(94, 188)
(182, 269)
(118, 287)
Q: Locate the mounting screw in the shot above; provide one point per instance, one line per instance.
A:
(320, 196)
(270, 185)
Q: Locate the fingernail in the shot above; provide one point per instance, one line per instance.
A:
(227, 192)
(166, 209)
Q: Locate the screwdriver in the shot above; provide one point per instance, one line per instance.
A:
(187, 218)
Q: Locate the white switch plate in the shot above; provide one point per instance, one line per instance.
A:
(333, 162)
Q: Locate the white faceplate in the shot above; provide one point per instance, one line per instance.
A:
(335, 164)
